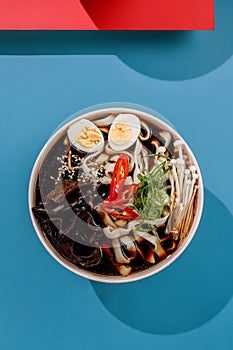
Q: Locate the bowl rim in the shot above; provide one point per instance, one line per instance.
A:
(156, 119)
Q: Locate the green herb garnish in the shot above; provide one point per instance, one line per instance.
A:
(157, 155)
(150, 196)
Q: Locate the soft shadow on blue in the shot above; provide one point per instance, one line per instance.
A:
(191, 291)
(180, 55)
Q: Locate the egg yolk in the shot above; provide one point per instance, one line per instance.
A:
(121, 133)
(89, 137)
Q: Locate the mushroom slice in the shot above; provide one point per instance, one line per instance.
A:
(188, 217)
(174, 244)
(120, 256)
(106, 219)
(194, 179)
(175, 221)
(150, 257)
(130, 246)
(167, 137)
(180, 165)
(178, 146)
(140, 251)
(181, 218)
(122, 269)
(155, 142)
(148, 132)
(185, 183)
(137, 161)
(176, 180)
(154, 240)
(172, 195)
(188, 185)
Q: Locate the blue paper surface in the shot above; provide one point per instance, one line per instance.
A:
(188, 305)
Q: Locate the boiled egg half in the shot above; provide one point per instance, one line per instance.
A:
(124, 131)
(86, 136)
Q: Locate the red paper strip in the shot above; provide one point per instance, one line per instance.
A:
(107, 14)
(44, 14)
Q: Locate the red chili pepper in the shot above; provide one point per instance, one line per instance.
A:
(126, 214)
(120, 194)
(128, 191)
(114, 205)
(124, 197)
(119, 175)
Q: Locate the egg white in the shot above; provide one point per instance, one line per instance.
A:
(132, 121)
(75, 130)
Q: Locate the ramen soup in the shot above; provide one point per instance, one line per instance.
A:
(116, 195)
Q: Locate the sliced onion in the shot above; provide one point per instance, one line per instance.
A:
(115, 233)
(157, 222)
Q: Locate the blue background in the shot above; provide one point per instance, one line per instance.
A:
(43, 306)
(188, 77)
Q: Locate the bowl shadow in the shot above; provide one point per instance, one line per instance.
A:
(190, 292)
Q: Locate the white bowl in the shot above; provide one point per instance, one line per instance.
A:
(105, 278)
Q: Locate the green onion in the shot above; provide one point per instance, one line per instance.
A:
(150, 198)
(157, 155)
